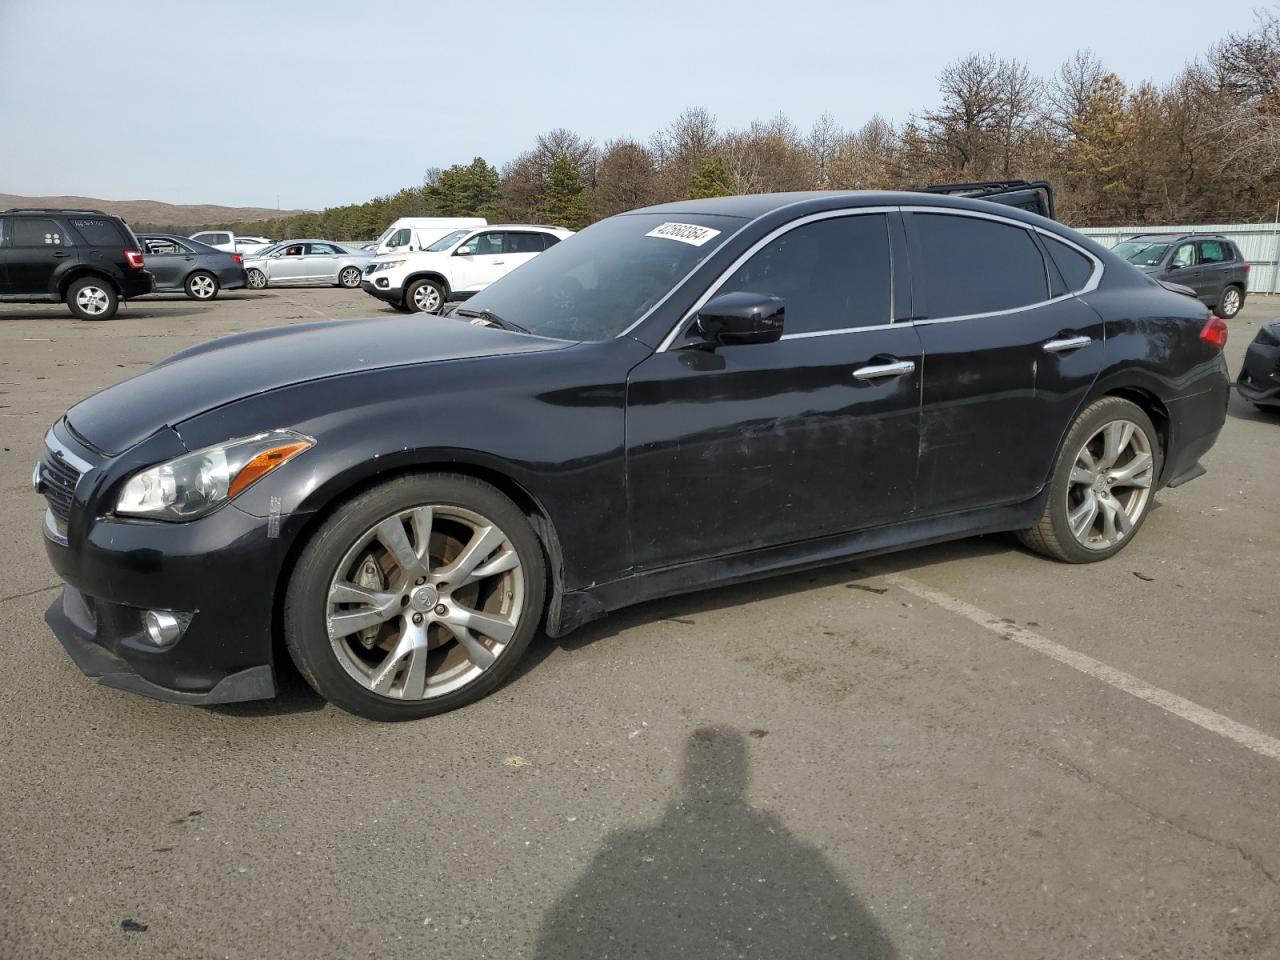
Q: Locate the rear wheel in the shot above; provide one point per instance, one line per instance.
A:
(1102, 486)
(202, 286)
(349, 277)
(92, 299)
(424, 296)
(1230, 302)
(256, 279)
(416, 597)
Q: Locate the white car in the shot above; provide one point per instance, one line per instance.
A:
(456, 266)
(228, 242)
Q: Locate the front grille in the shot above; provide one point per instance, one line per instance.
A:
(60, 479)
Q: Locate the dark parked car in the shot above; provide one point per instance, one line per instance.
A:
(1207, 263)
(87, 259)
(676, 398)
(180, 263)
(1259, 380)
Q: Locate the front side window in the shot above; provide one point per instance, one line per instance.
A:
(399, 239)
(1184, 256)
(975, 266)
(294, 250)
(38, 232)
(831, 274)
(1214, 251)
(482, 244)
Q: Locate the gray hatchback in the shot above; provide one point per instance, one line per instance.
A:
(1208, 263)
(180, 263)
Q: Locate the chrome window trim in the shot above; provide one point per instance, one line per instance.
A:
(751, 251)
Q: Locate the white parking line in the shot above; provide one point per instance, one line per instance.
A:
(307, 306)
(1244, 735)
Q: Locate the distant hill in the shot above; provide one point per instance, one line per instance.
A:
(152, 212)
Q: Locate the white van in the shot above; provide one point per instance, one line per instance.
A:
(417, 233)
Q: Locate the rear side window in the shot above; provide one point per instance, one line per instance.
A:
(322, 249)
(1215, 251)
(524, 243)
(976, 266)
(1075, 267)
(99, 233)
(38, 232)
(832, 274)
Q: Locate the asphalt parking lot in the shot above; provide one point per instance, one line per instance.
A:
(959, 751)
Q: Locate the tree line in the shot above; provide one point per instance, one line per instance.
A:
(1202, 147)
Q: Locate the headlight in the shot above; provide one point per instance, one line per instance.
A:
(195, 483)
(388, 265)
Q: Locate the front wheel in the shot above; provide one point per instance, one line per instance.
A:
(256, 279)
(202, 286)
(1102, 485)
(1230, 302)
(349, 277)
(424, 296)
(416, 597)
(92, 299)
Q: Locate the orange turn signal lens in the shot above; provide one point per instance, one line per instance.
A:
(264, 463)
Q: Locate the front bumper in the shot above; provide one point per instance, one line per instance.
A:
(218, 574)
(388, 293)
(1259, 380)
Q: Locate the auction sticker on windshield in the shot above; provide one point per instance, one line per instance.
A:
(689, 233)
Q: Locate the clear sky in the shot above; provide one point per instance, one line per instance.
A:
(324, 103)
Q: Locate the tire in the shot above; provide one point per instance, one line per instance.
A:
(1070, 491)
(349, 278)
(255, 279)
(424, 296)
(202, 286)
(1230, 302)
(92, 298)
(384, 667)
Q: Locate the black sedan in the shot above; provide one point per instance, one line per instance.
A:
(676, 398)
(1259, 380)
(200, 271)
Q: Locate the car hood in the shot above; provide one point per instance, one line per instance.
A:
(223, 371)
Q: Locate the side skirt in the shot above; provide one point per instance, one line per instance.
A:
(582, 606)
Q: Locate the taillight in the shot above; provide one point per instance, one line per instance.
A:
(1214, 332)
(1247, 267)
(237, 258)
(134, 258)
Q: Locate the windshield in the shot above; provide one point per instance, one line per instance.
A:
(447, 241)
(597, 283)
(1143, 253)
(386, 233)
(268, 250)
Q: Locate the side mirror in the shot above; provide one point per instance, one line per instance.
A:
(1175, 266)
(462, 252)
(741, 318)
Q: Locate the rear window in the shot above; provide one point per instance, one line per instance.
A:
(98, 232)
(1075, 267)
(38, 232)
(975, 266)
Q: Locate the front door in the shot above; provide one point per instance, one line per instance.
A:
(479, 262)
(749, 446)
(1007, 359)
(1184, 268)
(168, 262)
(289, 265)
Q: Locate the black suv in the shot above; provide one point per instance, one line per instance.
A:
(1208, 263)
(86, 258)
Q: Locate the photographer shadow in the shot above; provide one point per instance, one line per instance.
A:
(713, 877)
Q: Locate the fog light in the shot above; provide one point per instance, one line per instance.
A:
(163, 628)
(381, 282)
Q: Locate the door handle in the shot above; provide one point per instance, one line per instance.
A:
(499, 263)
(1067, 344)
(61, 255)
(876, 371)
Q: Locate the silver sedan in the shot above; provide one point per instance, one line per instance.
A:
(297, 263)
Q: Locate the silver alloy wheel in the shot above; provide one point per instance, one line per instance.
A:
(202, 287)
(93, 300)
(424, 602)
(350, 277)
(257, 279)
(426, 299)
(1110, 485)
(1230, 305)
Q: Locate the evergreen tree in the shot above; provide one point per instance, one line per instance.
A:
(710, 179)
(464, 191)
(566, 199)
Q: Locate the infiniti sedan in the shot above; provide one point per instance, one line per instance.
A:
(675, 398)
(307, 263)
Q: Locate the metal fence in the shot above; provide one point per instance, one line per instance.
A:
(1258, 242)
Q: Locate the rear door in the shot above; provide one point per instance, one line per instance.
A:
(321, 263)
(1007, 359)
(36, 248)
(521, 247)
(1217, 268)
(749, 446)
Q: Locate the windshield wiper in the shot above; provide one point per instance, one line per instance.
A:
(492, 318)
